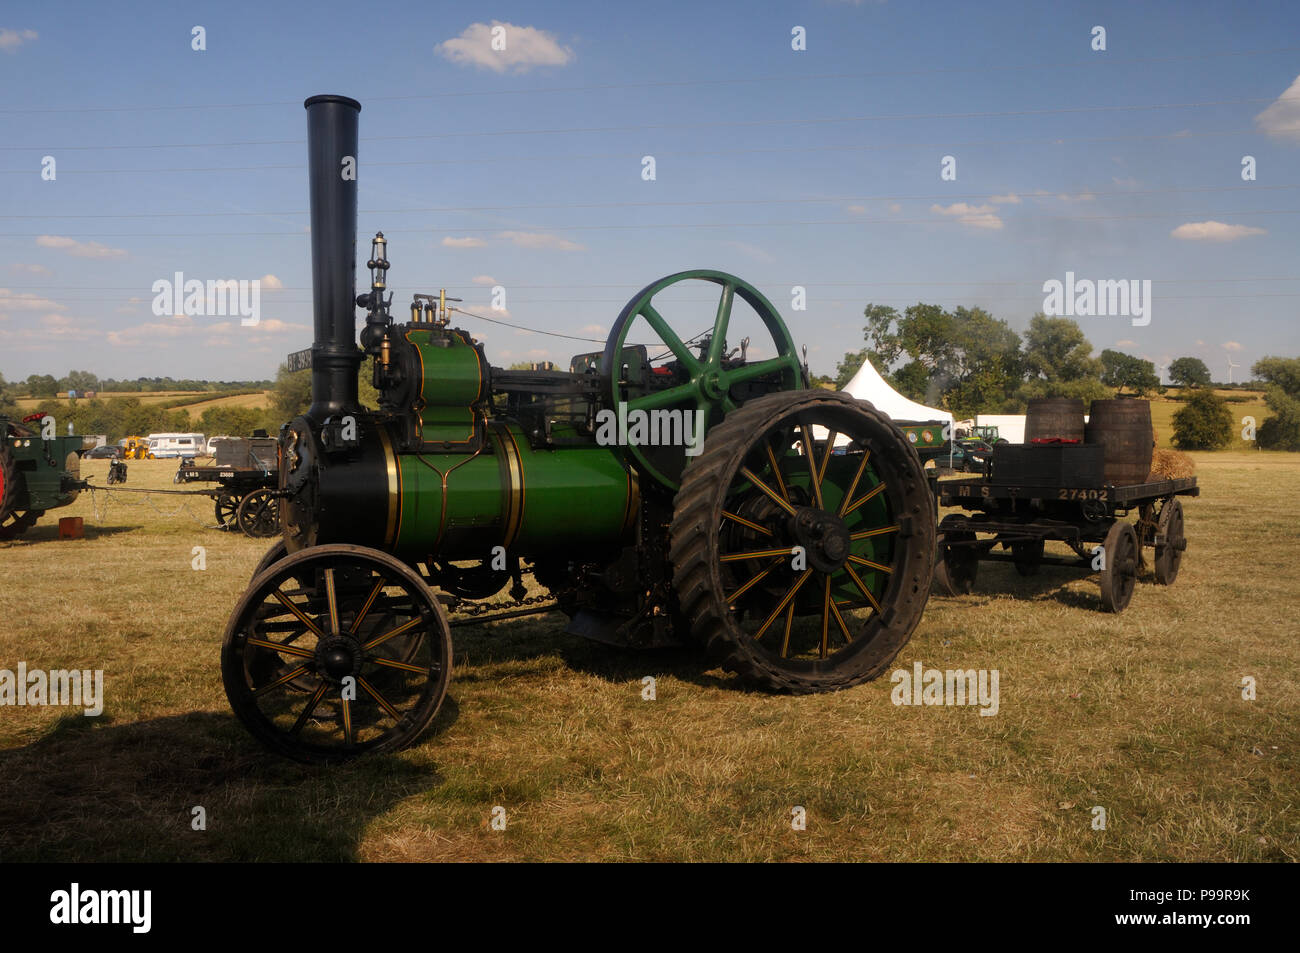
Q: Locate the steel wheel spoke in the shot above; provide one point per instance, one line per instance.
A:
(283, 679)
(776, 471)
(312, 702)
(826, 458)
(365, 609)
(787, 601)
(879, 567)
(805, 435)
(848, 495)
(347, 721)
(401, 629)
(302, 617)
(749, 475)
(280, 647)
(670, 338)
(404, 666)
(835, 611)
(863, 534)
(744, 522)
(866, 498)
(331, 599)
(754, 554)
(383, 702)
(664, 398)
(826, 617)
(789, 622)
(862, 586)
(754, 580)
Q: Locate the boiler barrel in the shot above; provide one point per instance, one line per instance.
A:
(1051, 418)
(1123, 427)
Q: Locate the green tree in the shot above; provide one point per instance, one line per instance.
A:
(1189, 372)
(291, 393)
(42, 385)
(1058, 361)
(1281, 430)
(1203, 423)
(1120, 370)
(8, 399)
(79, 381)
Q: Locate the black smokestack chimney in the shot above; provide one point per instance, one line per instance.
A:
(332, 161)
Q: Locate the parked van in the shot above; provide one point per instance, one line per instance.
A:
(164, 445)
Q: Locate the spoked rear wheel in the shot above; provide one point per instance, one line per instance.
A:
(336, 651)
(259, 514)
(804, 566)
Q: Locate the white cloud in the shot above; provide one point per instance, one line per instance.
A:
(1231, 346)
(594, 329)
(895, 207)
(271, 283)
(1215, 232)
(271, 326)
(449, 242)
(540, 240)
(1281, 119)
(856, 209)
(525, 47)
(79, 249)
(26, 301)
(1129, 183)
(978, 216)
(484, 280)
(1080, 197)
(10, 40)
(29, 269)
(1009, 199)
(752, 251)
(1126, 343)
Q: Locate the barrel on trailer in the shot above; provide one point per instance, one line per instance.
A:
(1054, 418)
(1123, 427)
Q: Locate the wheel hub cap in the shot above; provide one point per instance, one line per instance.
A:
(338, 656)
(823, 536)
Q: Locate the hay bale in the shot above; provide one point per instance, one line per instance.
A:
(1170, 465)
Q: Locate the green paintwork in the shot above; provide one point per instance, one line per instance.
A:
(709, 386)
(45, 469)
(452, 380)
(571, 497)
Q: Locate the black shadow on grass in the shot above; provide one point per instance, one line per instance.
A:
(92, 790)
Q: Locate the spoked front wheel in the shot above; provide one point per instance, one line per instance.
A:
(803, 541)
(336, 651)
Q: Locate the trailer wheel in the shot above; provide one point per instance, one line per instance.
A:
(957, 566)
(1027, 556)
(1169, 555)
(1119, 574)
(227, 509)
(803, 570)
(259, 514)
(336, 651)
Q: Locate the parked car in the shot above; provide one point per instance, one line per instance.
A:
(103, 453)
(971, 455)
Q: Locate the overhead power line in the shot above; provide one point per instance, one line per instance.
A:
(1109, 62)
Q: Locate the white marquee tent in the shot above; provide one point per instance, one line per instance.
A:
(867, 384)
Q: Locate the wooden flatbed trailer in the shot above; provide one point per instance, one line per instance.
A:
(246, 499)
(1093, 521)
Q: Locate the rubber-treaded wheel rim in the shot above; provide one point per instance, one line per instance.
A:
(698, 545)
(1119, 575)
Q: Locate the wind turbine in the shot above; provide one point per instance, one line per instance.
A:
(1230, 367)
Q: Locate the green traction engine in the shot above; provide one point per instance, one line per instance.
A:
(37, 473)
(665, 490)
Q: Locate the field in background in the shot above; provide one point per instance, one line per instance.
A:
(251, 401)
(1162, 416)
(1139, 713)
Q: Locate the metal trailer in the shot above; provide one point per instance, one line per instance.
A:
(1017, 519)
(245, 470)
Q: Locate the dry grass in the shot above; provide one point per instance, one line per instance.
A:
(1139, 713)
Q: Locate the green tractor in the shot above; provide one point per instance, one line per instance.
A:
(38, 472)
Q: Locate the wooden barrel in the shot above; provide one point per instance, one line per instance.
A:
(1123, 427)
(1052, 418)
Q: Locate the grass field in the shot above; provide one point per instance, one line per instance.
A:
(1140, 713)
(252, 401)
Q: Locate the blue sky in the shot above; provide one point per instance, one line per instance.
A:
(818, 168)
